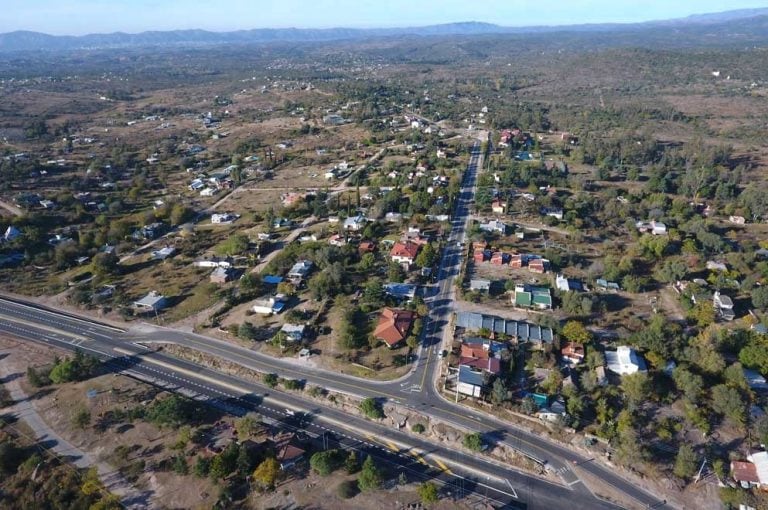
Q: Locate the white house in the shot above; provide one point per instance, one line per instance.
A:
(268, 306)
(223, 218)
(152, 302)
(355, 223)
(163, 253)
(300, 270)
(294, 332)
(624, 360)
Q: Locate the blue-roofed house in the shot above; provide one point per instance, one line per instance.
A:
(470, 382)
(519, 331)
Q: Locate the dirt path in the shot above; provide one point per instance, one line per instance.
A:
(23, 409)
(11, 208)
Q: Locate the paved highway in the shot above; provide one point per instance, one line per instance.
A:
(417, 390)
(461, 473)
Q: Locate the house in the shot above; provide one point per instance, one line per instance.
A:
(208, 192)
(59, 239)
(223, 218)
(494, 226)
(47, 204)
(222, 275)
(552, 411)
(294, 332)
(337, 240)
(288, 451)
(394, 325)
(393, 217)
(744, 473)
(11, 234)
(516, 261)
(498, 207)
(737, 220)
(753, 472)
(500, 258)
(366, 247)
(213, 262)
(151, 231)
(554, 213)
(572, 352)
(152, 302)
(355, 223)
(714, 265)
(567, 284)
(724, 306)
(268, 306)
(603, 284)
(400, 291)
(163, 253)
(479, 285)
(528, 296)
(538, 265)
(517, 331)
(654, 227)
(300, 270)
(404, 252)
(470, 381)
(482, 255)
(624, 360)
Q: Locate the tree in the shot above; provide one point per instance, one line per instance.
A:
(498, 391)
(325, 463)
(703, 314)
(202, 467)
(685, 461)
(575, 331)
(180, 214)
(428, 492)
(418, 428)
(81, 418)
(351, 464)
(636, 388)
(247, 426)
(371, 408)
(270, 380)
(728, 402)
(427, 256)
(473, 441)
(233, 245)
(105, 264)
(266, 473)
(412, 342)
(35, 378)
(755, 355)
(247, 331)
(179, 465)
(370, 476)
(760, 297)
(688, 383)
(528, 405)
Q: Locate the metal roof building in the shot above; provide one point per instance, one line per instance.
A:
(522, 331)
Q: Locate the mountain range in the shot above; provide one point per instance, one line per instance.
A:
(745, 26)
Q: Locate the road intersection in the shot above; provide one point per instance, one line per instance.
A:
(418, 390)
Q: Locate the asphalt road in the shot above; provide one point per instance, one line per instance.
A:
(416, 390)
(461, 474)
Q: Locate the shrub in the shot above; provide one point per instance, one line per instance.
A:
(347, 489)
(473, 441)
(418, 428)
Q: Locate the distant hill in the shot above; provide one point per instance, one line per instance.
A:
(751, 27)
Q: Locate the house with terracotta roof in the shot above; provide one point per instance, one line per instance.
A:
(366, 247)
(572, 352)
(394, 325)
(287, 450)
(404, 252)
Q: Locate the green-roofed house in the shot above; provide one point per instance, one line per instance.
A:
(528, 296)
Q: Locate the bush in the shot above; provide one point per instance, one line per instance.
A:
(270, 380)
(418, 428)
(81, 418)
(325, 463)
(473, 441)
(292, 384)
(347, 489)
(371, 408)
(428, 492)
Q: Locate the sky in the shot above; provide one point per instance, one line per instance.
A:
(77, 17)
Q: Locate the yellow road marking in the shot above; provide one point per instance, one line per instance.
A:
(442, 466)
(392, 446)
(44, 328)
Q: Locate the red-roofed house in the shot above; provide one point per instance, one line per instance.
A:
(490, 365)
(404, 252)
(537, 266)
(394, 325)
(745, 473)
(367, 247)
(573, 352)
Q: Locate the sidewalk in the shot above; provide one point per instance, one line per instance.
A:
(23, 409)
